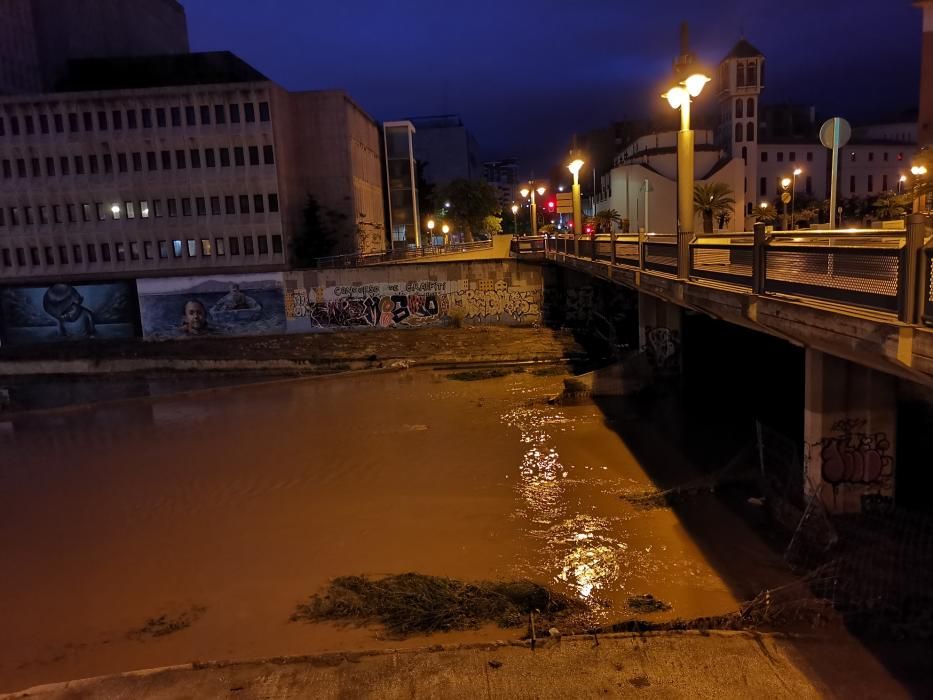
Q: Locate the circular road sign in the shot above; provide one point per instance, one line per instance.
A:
(785, 197)
(828, 132)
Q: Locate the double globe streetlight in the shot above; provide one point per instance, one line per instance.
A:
(679, 97)
(525, 191)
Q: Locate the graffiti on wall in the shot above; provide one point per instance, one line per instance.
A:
(852, 457)
(184, 307)
(410, 304)
(662, 347)
(68, 312)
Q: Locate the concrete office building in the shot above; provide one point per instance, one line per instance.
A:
(502, 176)
(39, 37)
(446, 148)
(172, 164)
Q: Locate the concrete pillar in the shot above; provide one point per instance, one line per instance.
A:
(659, 333)
(850, 423)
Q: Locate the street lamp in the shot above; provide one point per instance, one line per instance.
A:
(445, 229)
(574, 169)
(793, 198)
(917, 171)
(785, 197)
(900, 184)
(515, 215)
(679, 97)
(431, 230)
(525, 191)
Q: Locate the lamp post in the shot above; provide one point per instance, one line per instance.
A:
(534, 207)
(445, 229)
(918, 171)
(900, 184)
(793, 199)
(515, 216)
(679, 97)
(785, 198)
(431, 230)
(574, 168)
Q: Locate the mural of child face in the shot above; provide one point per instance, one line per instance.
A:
(195, 317)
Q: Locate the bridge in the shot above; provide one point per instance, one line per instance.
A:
(860, 303)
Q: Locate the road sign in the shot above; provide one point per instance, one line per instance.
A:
(834, 134)
(565, 202)
(785, 197)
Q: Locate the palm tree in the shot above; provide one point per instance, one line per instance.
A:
(890, 205)
(606, 218)
(712, 200)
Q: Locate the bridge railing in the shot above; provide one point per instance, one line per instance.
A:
(878, 269)
(362, 260)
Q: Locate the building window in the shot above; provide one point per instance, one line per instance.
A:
(76, 253)
(117, 119)
(263, 245)
(215, 206)
(186, 206)
(120, 250)
(871, 156)
(176, 248)
(134, 250)
(249, 112)
(248, 245)
(44, 123)
(157, 208)
(264, 111)
(172, 207)
(131, 118)
(57, 213)
(130, 209)
(238, 156)
(792, 156)
(166, 160)
(108, 163)
(739, 108)
(192, 248)
(738, 133)
(176, 116)
(147, 119)
(180, 159)
(43, 214)
(49, 255)
(200, 206)
(230, 204)
(750, 110)
(21, 257)
(147, 250)
(277, 245)
(59, 123)
(190, 116)
(115, 211)
(91, 253)
(14, 216)
(740, 75)
(268, 155)
(7, 169)
(50, 167)
(220, 114)
(884, 183)
(121, 162)
(219, 246)
(852, 184)
(163, 250)
(160, 117)
(99, 210)
(105, 252)
(63, 255)
(205, 115)
(137, 162)
(7, 260)
(151, 160)
(70, 213)
(88, 120)
(750, 132)
(224, 157)
(254, 155)
(64, 165)
(36, 168)
(27, 215)
(34, 255)
(751, 76)
(258, 204)
(144, 209)
(809, 156)
(102, 121)
(234, 113)
(871, 183)
(234, 245)
(195, 158)
(30, 125)
(244, 204)
(86, 212)
(73, 122)
(206, 249)
(209, 158)
(763, 187)
(273, 202)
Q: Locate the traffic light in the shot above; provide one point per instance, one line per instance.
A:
(551, 204)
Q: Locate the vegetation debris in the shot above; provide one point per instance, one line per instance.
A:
(169, 623)
(647, 603)
(408, 604)
(473, 375)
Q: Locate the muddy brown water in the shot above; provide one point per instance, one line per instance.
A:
(232, 506)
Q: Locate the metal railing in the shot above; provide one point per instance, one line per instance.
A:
(883, 270)
(362, 260)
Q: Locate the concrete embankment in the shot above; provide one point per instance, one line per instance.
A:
(312, 353)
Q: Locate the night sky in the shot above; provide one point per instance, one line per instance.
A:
(526, 75)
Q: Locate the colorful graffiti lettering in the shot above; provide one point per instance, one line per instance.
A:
(852, 456)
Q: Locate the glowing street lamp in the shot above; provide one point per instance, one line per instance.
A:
(793, 198)
(900, 183)
(525, 191)
(785, 184)
(574, 169)
(431, 230)
(679, 97)
(445, 229)
(918, 171)
(515, 216)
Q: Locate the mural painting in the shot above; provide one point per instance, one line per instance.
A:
(185, 307)
(410, 304)
(851, 457)
(64, 311)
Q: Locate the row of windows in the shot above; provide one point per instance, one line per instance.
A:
(792, 156)
(763, 186)
(749, 132)
(99, 211)
(869, 185)
(750, 112)
(117, 119)
(92, 253)
(179, 159)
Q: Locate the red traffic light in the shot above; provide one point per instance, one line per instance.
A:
(551, 204)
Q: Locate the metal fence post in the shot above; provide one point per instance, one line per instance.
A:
(912, 276)
(612, 248)
(758, 259)
(642, 242)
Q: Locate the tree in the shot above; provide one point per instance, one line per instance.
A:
(606, 218)
(713, 200)
(767, 214)
(890, 205)
(471, 201)
(492, 225)
(317, 237)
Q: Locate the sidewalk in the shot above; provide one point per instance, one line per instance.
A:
(683, 665)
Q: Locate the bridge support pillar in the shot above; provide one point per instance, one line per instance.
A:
(659, 333)
(850, 424)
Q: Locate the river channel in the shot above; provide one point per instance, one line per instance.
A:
(231, 506)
